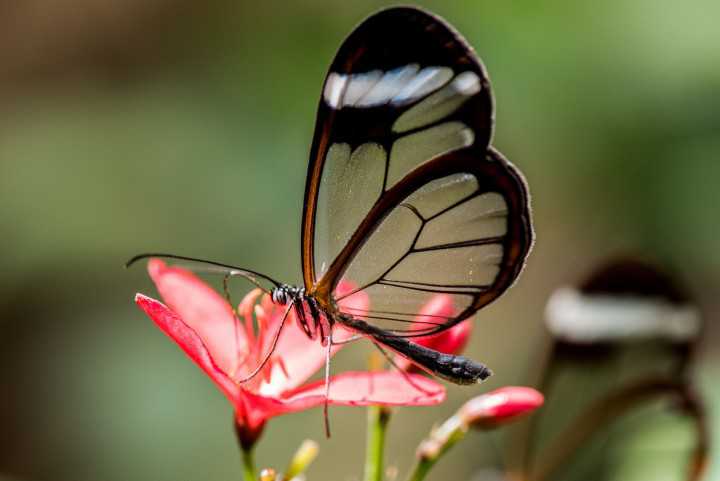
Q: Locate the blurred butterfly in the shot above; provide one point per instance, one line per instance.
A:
(405, 198)
(621, 399)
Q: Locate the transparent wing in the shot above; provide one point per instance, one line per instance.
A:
(404, 198)
(463, 235)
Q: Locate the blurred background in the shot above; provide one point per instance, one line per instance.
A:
(170, 125)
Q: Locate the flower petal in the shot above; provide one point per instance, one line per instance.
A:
(370, 388)
(204, 311)
(360, 301)
(355, 303)
(453, 340)
(439, 306)
(347, 389)
(253, 410)
(189, 341)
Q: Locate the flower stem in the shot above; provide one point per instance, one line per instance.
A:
(611, 407)
(248, 462)
(378, 418)
(421, 469)
(436, 445)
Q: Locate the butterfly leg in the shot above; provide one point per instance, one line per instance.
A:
(354, 338)
(272, 347)
(326, 417)
(236, 324)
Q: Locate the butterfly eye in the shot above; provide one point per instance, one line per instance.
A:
(279, 296)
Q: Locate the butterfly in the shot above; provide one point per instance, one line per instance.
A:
(405, 198)
(635, 328)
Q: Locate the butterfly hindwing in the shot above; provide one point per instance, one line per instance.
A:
(461, 234)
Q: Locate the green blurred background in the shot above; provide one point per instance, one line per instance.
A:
(170, 125)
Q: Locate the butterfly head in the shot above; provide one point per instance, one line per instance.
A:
(285, 293)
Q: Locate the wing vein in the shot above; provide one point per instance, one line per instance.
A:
(468, 243)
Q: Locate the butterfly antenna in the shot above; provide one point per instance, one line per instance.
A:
(326, 416)
(271, 350)
(211, 267)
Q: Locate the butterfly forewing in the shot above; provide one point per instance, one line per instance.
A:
(404, 198)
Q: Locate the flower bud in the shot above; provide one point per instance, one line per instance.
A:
(268, 474)
(304, 456)
(500, 406)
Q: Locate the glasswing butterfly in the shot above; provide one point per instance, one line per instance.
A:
(617, 375)
(405, 198)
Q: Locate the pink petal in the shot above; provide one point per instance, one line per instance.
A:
(355, 304)
(453, 340)
(359, 301)
(189, 341)
(348, 389)
(253, 410)
(436, 310)
(204, 311)
(370, 388)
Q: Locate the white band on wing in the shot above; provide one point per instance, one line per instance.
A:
(576, 317)
(398, 86)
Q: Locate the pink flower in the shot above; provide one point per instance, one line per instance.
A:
(500, 406)
(449, 341)
(202, 323)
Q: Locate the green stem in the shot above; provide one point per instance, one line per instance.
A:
(248, 462)
(436, 445)
(598, 415)
(421, 469)
(378, 418)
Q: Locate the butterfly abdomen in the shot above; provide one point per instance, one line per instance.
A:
(456, 369)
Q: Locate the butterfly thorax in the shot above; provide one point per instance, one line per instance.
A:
(313, 319)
